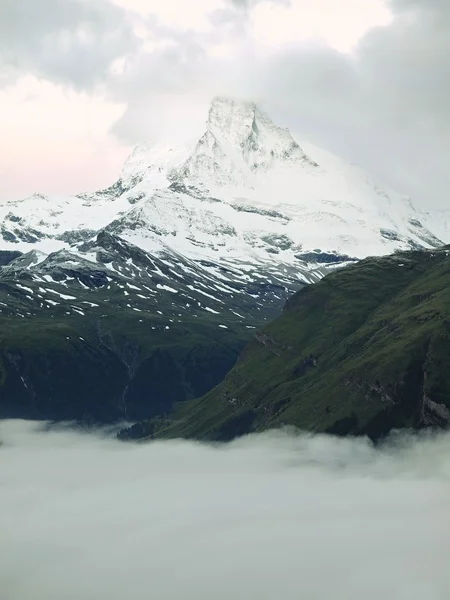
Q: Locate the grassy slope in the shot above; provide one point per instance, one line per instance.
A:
(359, 352)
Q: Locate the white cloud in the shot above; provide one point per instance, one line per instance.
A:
(339, 24)
(269, 516)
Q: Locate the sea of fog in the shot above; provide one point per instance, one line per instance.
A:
(275, 516)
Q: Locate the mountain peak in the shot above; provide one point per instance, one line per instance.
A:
(233, 122)
(239, 141)
(226, 113)
(239, 120)
(244, 189)
(247, 137)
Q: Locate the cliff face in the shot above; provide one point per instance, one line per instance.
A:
(363, 351)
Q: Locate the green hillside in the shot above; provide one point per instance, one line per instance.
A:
(365, 350)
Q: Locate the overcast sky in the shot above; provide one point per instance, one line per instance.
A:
(82, 81)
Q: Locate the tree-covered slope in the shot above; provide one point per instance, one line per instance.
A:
(365, 350)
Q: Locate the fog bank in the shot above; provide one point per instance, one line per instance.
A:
(271, 516)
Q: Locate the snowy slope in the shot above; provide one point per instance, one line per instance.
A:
(438, 221)
(248, 192)
(245, 192)
(169, 282)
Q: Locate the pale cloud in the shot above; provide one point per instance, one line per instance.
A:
(55, 140)
(341, 24)
(173, 13)
(268, 516)
(69, 41)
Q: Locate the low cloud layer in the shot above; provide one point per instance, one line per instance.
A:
(269, 516)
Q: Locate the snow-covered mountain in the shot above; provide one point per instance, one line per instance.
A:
(119, 303)
(244, 194)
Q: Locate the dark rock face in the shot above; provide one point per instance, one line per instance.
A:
(77, 236)
(15, 233)
(7, 256)
(163, 379)
(98, 381)
(156, 384)
(84, 384)
(323, 258)
(390, 235)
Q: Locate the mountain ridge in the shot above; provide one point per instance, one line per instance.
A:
(242, 164)
(184, 256)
